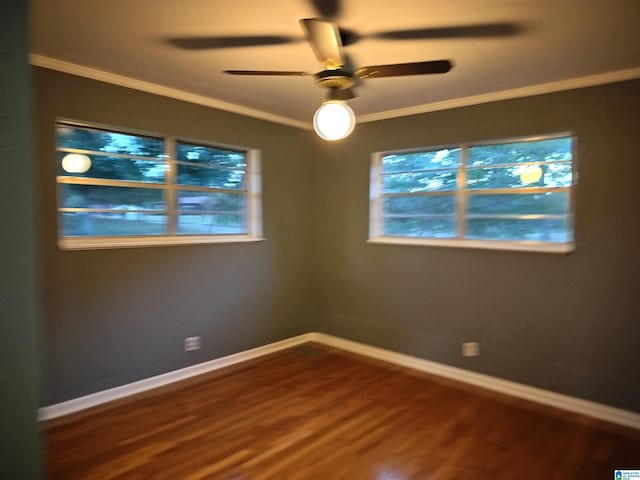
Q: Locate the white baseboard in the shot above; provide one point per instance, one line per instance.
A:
(565, 402)
(98, 398)
(546, 397)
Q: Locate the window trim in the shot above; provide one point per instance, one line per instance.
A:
(461, 198)
(253, 198)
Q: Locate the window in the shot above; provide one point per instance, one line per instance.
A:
(514, 194)
(118, 189)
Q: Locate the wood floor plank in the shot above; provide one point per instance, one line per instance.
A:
(313, 412)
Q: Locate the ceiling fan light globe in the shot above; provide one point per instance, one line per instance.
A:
(334, 120)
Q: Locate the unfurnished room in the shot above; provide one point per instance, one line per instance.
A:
(320, 239)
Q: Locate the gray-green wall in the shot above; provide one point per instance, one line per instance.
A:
(568, 323)
(116, 316)
(19, 449)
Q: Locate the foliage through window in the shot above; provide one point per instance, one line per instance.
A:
(514, 194)
(122, 189)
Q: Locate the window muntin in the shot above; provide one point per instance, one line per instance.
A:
(477, 195)
(140, 186)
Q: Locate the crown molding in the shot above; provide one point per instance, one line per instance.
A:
(149, 87)
(529, 91)
(154, 88)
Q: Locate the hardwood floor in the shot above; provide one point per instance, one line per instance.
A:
(315, 413)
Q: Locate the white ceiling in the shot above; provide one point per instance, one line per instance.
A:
(560, 40)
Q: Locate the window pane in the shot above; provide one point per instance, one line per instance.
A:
(555, 175)
(130, 178)
(538, 230)
(116, 198)
(420, 227)
(536, 151)
(223, 223)
(419, 182)
(210, 156)
(220, 202)
(118, 168)
(210, 177)
(102, 141)
(440, 204)
(74, 224)
(556, 203)
(406, 162)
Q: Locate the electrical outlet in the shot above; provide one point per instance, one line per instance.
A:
(192, 343)
(470, 349)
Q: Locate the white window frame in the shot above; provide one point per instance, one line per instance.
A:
(376, 198)
(253, 195)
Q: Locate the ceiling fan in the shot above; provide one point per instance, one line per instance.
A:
(338, 76)
(326, 42)
(334, 119)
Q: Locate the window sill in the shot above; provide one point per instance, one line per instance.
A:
(96, 243)
(478, 244)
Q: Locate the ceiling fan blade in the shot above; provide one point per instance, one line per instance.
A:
(324, 37)
(279, 73)
(327, 8)
(349, 37)
(482, 30)
(205, 43)
(402, 69)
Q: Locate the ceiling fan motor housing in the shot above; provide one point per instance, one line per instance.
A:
(339, 79)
